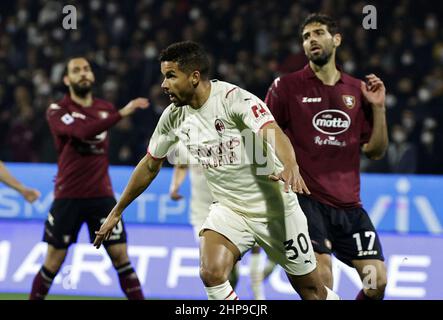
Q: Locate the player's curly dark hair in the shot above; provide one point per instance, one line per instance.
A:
(321, 18)
(189, 55)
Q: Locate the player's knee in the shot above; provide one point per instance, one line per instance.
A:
(53, 266)
(118, 255)
(54, 259)
(119, 260)
(212, 275)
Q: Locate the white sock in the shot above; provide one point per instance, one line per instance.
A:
(221, 292)
(256, 276)
(331, 295)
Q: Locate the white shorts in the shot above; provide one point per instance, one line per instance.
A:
(196, 227)
(285, 240)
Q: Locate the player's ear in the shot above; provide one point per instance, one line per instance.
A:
(337, 39)
(195, 78)
(66, 81)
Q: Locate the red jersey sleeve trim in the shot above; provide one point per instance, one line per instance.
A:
(230, 91)
(267, 122)
(155, 158)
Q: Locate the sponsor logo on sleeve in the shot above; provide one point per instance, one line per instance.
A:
(103, 114)
(67, 119)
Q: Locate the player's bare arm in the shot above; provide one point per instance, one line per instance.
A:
(139, 103)
(375, 92)
(273, 134)
(178, 177)
(142, 176)
(6, 177)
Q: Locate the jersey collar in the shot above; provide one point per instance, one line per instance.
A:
(309, 74)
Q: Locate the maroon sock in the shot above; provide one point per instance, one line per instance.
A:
(129, 282)
(41, 284)
(361, 296)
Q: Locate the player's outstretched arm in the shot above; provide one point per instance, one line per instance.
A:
(272, 133)
(375, 92)
(64, 123)
(139, 103)
(178, 177)
(142, 176)
(6, 177)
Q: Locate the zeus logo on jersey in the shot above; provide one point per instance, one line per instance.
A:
(311, 100)
(331, 122)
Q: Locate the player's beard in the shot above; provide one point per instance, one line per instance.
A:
(81, 90)
(322, 59)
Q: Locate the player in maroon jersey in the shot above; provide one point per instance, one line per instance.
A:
(329, 117)
(83, 191)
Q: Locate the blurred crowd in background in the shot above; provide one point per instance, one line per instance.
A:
(250, 44)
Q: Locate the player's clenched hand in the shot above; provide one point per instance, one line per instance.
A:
(175, 195)
(139, 103)
(106, 229)
(292, 179)
(374, 90)
(30, 194)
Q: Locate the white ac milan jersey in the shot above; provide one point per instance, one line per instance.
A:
(222, 136)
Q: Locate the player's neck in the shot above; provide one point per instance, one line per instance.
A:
(201, 95)
(83, 101)
(328, 73)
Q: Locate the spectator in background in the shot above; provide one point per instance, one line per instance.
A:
(251, 42)
(401, 154)
(430, 157)
(20, 138)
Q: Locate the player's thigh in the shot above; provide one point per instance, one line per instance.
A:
(95, 212)
(286, 241)
(63, 223)
(355, 237)
(224, 233)
(217, 253)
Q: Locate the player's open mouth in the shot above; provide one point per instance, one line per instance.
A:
(315, 49)
(172, 97)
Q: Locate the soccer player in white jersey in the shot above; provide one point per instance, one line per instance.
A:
(212, 119)
(201, 200)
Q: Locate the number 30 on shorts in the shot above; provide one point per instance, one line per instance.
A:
(118, 229)
(303, 245)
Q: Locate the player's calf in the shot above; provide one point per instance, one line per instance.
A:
(372, 272)
(324, 267)
(127, 277)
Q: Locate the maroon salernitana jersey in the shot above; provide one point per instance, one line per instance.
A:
(82, 142)
(327, 126)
